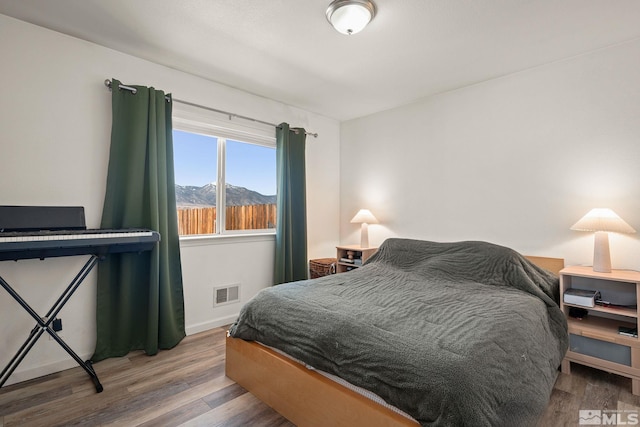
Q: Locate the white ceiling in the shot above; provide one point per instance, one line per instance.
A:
(286, 50)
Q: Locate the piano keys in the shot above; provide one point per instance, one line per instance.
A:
(17, 245)
(32, 232)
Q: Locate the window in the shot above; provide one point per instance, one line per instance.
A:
(225, 177)
(250, 190)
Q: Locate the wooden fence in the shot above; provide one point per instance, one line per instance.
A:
(247, 217)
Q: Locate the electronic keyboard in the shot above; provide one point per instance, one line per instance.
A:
(28, 232)
(17, 245)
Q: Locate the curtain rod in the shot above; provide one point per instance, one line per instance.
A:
(107, 83)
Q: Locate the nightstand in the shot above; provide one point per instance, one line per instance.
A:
(351, 257)
(595, 340)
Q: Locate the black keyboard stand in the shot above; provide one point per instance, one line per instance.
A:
(44, 324)
(17, 245)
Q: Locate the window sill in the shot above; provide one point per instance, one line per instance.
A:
(222, 239)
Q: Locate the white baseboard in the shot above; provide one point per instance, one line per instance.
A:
(61, 365)
(50, 368)
(211, 324)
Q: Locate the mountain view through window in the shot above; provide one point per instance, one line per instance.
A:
(247, 173)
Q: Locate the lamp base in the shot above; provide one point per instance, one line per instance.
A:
(601, 254)
(364, 235)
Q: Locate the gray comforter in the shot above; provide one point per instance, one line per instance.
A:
(464, 333)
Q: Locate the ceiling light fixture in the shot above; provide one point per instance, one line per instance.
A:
(350, 16)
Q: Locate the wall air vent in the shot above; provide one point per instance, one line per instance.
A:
(226, 294)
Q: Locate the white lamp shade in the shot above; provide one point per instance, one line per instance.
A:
(350, 16)
(602, 219)
(364, 215)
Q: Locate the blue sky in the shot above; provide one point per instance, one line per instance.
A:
(248, 165)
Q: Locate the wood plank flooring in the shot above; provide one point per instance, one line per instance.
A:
(186, 386)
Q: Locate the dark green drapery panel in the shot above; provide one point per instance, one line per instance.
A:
(140, 304)
(291, 225)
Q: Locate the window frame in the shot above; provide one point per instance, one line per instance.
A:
(200, 121)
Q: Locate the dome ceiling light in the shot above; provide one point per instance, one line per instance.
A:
(350, 16)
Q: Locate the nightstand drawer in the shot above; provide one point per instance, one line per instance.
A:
(612, 352)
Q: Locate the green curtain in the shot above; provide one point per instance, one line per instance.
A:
(140, 304)
(291, 225)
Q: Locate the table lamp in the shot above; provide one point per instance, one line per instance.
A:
(602, 221)
(364, 217)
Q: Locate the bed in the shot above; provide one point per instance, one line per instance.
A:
(464, 333)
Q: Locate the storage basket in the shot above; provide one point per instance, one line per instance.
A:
(322, 267)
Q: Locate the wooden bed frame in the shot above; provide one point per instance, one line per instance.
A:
(307, 398)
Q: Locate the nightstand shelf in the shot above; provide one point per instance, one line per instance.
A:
(619, 311)
(595, 340)
(359, 255)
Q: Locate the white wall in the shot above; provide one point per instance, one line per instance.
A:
(514, 160)
(55, 118)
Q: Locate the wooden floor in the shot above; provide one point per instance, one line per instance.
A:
(187, 386)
